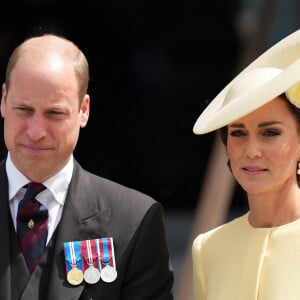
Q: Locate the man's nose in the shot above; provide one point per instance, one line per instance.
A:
(36, 127)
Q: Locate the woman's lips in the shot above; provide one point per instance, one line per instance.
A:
(254, 170)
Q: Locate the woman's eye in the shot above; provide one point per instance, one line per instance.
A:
(271, 132)
(236, 133)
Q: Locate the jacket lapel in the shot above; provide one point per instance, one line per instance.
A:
(12, 264)
(80, 221)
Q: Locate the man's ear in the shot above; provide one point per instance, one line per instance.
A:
(3, 100)
(84, 111)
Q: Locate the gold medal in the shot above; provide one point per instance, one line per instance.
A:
(75, 276)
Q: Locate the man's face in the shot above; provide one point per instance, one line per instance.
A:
(42, 115)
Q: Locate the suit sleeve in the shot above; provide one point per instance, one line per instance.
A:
(149, 275)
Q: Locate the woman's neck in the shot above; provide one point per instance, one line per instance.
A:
(274, 209)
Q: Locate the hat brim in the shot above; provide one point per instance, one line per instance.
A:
(284, 55)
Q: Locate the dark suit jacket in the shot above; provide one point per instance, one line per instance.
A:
(94, 208)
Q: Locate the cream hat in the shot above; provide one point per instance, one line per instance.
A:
(275, 72)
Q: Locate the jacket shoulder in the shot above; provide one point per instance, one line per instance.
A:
(118, 197)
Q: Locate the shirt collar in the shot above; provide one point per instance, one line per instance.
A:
(57, 184)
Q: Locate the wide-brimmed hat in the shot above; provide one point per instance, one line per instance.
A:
(274, 72)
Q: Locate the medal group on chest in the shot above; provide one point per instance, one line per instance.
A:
(90, 261)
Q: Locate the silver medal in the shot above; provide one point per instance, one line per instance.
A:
(108, 274)
(91, 275)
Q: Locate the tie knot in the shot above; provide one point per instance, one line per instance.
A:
(33, 188)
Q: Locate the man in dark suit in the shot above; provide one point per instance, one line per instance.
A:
(44, 104)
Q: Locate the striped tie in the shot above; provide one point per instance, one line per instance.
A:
(32, 225)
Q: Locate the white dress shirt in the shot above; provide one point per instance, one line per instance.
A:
(53, 197)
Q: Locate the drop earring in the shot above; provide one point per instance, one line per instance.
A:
(298, 169)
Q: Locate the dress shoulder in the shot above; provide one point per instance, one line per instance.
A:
(225, 232)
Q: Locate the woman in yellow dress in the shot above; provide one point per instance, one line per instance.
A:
(257, 256)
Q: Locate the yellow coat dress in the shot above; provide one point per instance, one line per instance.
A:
(238, 262)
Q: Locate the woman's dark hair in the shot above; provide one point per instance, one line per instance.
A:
(223, 132)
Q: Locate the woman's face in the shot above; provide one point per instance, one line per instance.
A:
(264, 148)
